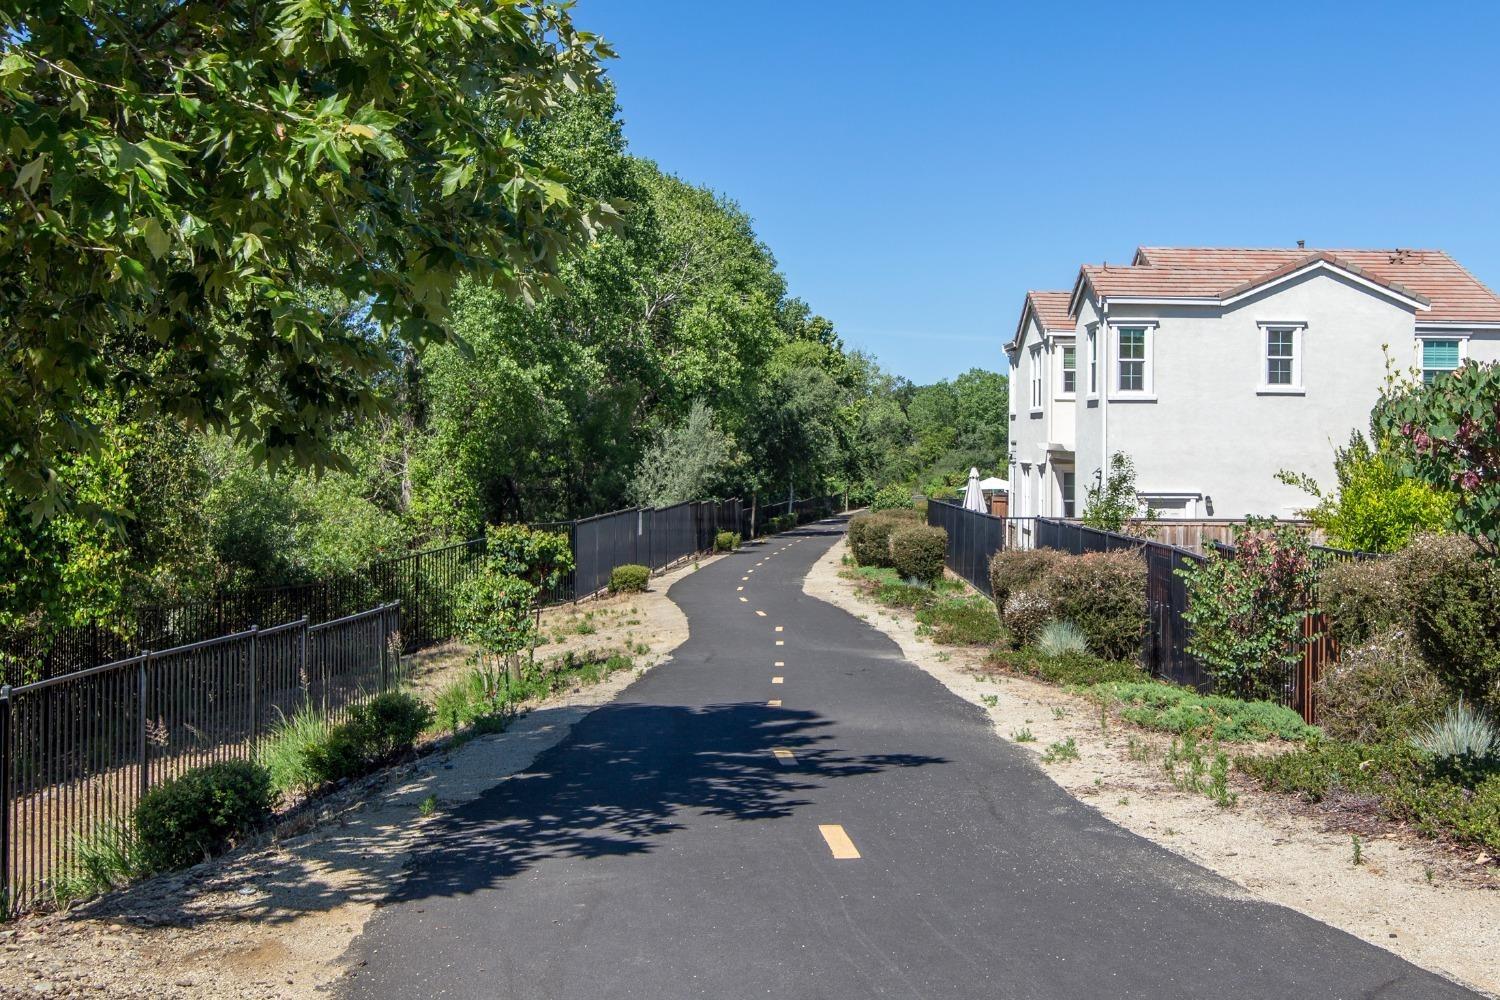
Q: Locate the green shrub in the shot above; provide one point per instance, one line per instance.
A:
(918, 551)
(1404, 782)
(1453, 593)
(481, 692)
(388, 725)
(286, 752)
(1020, 569)
(891, 498)
(629, 579)
(1059, 637)
(870, 538)
(197, 814)
(1104, 594)
(1363, 598)
(1378, 691)
(1025, 614)
(1153, 705)
(1246, 610)
(494, 610)
(961, 621)
(1068, 668)
(727, 541)
(905, 595)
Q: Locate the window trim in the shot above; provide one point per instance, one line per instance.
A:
(1034, 379)
(1093, 336)
(1444, 335)
(1064, 345)
(1069, 502)
(1264, 328)
(1147, 392)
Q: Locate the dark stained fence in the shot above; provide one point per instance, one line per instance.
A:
(974, 538)
(77, 752)
(425, 583)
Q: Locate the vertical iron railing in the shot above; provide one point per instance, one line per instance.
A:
(77, 752)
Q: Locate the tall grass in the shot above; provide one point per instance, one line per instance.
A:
(288, 752)
(106, 858)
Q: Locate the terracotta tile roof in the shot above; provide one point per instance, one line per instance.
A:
(1429, 276)
(1051, 309)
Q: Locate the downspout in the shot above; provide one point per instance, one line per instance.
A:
(1101, 346)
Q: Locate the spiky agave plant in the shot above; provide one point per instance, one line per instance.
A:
(1059, 637)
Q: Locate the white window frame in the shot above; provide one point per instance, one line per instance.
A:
(1064, 345)
(1069, 501)
(1264, 329)
(1093, 335)
(1147, 392)
(1035, 378)
(1463, 348)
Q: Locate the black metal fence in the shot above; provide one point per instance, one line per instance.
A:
(78, 751)
(425, 583)
(974, 538)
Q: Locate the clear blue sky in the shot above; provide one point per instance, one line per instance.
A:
(915, 168)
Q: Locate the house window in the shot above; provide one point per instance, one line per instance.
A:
(1439, 356)
(1069, 484)
(1132, 359)
(1281, 355)
(1069, 370)
(1036, 378)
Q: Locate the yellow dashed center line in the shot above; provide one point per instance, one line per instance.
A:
(786, 758)
(739, 588)
(781, 642)
(744, 600)
(761, 613)
(779, 663)
(778, 628)
(838, 842)
(776, 680)
(774, 703)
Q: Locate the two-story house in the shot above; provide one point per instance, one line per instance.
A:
(1214, 368)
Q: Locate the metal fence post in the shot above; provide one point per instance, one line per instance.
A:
(143, 745)
(5, 769)
(254, 689)
(385, 647)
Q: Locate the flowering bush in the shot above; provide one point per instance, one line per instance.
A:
(1450, 429)
(1247, 608)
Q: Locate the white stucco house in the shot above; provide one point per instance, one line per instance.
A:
(1213, 368)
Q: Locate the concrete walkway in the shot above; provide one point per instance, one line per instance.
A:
(789, 809)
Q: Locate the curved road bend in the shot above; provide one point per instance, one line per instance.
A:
(694, 839)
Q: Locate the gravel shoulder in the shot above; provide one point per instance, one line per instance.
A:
(274, 919)
(1450, 925)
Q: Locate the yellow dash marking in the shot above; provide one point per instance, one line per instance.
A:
(776, 680)
(774, 703)
(838, 842)
(779, 663)
(761, 613)
(744, 578)
(778, 628)
(781, 642)
(784, 756)
(739, 588)
(744, 600)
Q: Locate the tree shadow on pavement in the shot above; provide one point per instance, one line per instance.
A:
(623, 782)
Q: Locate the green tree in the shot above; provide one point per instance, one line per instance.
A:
(1448, 433)
(693, 461)
(1109, 504)
(231, 210)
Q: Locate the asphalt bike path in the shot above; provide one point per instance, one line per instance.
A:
(788, 808)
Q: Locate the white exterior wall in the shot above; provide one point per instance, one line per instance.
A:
(1028, 427)
(1478, 345)
(1203, 428)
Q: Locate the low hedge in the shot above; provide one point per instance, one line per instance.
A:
(1154, 705)
(1379, 691)
(918, 552)
(1104, 594)
(1012, 570)
(1399, 781)
(1024, 614)
(726, 541)
(630, 578)
(1066, 668)
(199, 813)
(960, 621)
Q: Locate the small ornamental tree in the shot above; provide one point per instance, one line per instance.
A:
(542, 558)
(1246, 608)
(1449, 430)
(1107, 505)
(496, 614)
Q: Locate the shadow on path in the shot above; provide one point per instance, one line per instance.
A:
(620, 782)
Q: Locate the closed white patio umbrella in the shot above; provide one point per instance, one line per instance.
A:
(974, 496)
